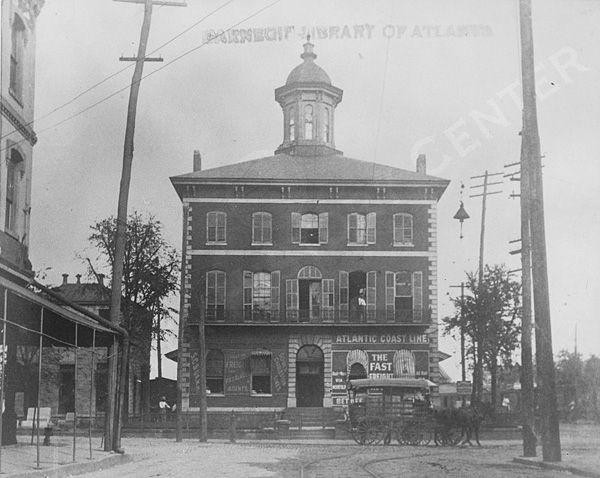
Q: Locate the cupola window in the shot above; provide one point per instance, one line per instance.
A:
(308, 122)
(292, 125)
(326, 127)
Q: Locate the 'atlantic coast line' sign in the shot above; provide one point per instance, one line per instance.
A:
(382, 339)
(363, 31)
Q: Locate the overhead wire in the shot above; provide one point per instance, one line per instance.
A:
(177, 58)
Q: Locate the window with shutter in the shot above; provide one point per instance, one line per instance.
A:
(296, 222)
(371, 295)
(328, 305)
(343, 295)
(291, 299)
(275, 296)
(371, 228)
(390, 295)
(247, 298)
(323, 228)
(417, 283)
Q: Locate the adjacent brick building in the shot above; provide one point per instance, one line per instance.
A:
(311, 267)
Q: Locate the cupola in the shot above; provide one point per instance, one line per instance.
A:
(308, 100)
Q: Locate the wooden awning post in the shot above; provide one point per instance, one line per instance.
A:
(39, 383)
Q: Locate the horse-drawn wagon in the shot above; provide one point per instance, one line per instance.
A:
(382, 410)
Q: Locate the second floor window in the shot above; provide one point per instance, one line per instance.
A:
(216, 225)
(261, 293)
(310, 228)
(403, 229)
(12, 190)
(404, 296)
(361, 228)
(215, 371)
(262, 225)
(215, 295)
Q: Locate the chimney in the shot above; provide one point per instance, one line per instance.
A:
(78, 276)
(422, 164)
(197, 161)
(65, 279)
(101, 279)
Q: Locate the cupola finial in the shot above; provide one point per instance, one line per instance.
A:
(308, 54)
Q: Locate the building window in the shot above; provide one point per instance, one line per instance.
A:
(215, 372)
(361, 228)
(292, 124)
(404, 296)
(310, 228)
(17, 58)
(13, 166)
(261, 295)
(215, 295)
(326, 126)
(262, 225)
(66, 389)
(261, 372)
(101, 382)
(403, 229)
(308, 122)
(216, 223)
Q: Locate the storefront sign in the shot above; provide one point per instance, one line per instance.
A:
(382, 339)
(464, 388)
(237, 379)
(381, 365)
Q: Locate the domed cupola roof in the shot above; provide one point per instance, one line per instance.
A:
(308, 71)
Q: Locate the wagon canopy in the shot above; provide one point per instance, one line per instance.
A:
(390, 382)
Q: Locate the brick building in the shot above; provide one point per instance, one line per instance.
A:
(311, 267)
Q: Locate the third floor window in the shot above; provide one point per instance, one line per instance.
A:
(361, 228)
(403, 229)
(216, 225)
(262, 228)
(310, 228)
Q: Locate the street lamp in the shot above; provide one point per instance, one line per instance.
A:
(461, 215)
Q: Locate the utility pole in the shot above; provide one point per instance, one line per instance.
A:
(202, 375)
(527, 388)
(115, 405)
(478, 368)
(551, 450)
(463, 368)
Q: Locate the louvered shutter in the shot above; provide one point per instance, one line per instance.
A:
(371, 295)
(291, 300)
(323, 228)
(417, 280)
(343, 295)
(275, 296)
(247, 299)
(296, 220)
(371, 228)
(327, 299)
(390, 295)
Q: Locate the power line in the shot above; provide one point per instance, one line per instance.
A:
(118, 72)
(115, 93)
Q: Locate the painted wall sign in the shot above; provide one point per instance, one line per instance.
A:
(382, 339)
(361, 31)
(279, 372)
(237, 378)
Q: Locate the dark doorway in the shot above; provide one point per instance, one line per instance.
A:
(357, 281)
(309, 377)
(309, 299)
(357, 371)
(66, 389)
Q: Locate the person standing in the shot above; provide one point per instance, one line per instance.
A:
(163, 407)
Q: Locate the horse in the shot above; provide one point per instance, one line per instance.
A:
(469, 419)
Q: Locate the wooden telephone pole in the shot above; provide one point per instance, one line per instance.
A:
(115, 405)
(478, 368)
(532, 159)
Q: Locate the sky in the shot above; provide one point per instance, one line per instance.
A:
(428, 76)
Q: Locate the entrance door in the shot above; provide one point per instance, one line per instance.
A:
(309, 299)
(309, 377)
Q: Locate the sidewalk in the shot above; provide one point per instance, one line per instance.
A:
(20, 460)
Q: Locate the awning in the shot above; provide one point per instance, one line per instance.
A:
(25, 309)
(391, 383)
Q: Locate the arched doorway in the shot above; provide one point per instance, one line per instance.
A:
(309, 377)
(357, 370)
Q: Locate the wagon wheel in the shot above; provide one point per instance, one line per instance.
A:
(370, 431)
(450, 436)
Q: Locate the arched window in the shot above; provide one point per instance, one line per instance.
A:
(309, 272)
(326, 126)
(262, 228)
(292, 124)
(216, 224)
(308, 122)
(215, 372)
(13, 166)
(17, 59)
(310, 228)
(215, 295)
(403, 229)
